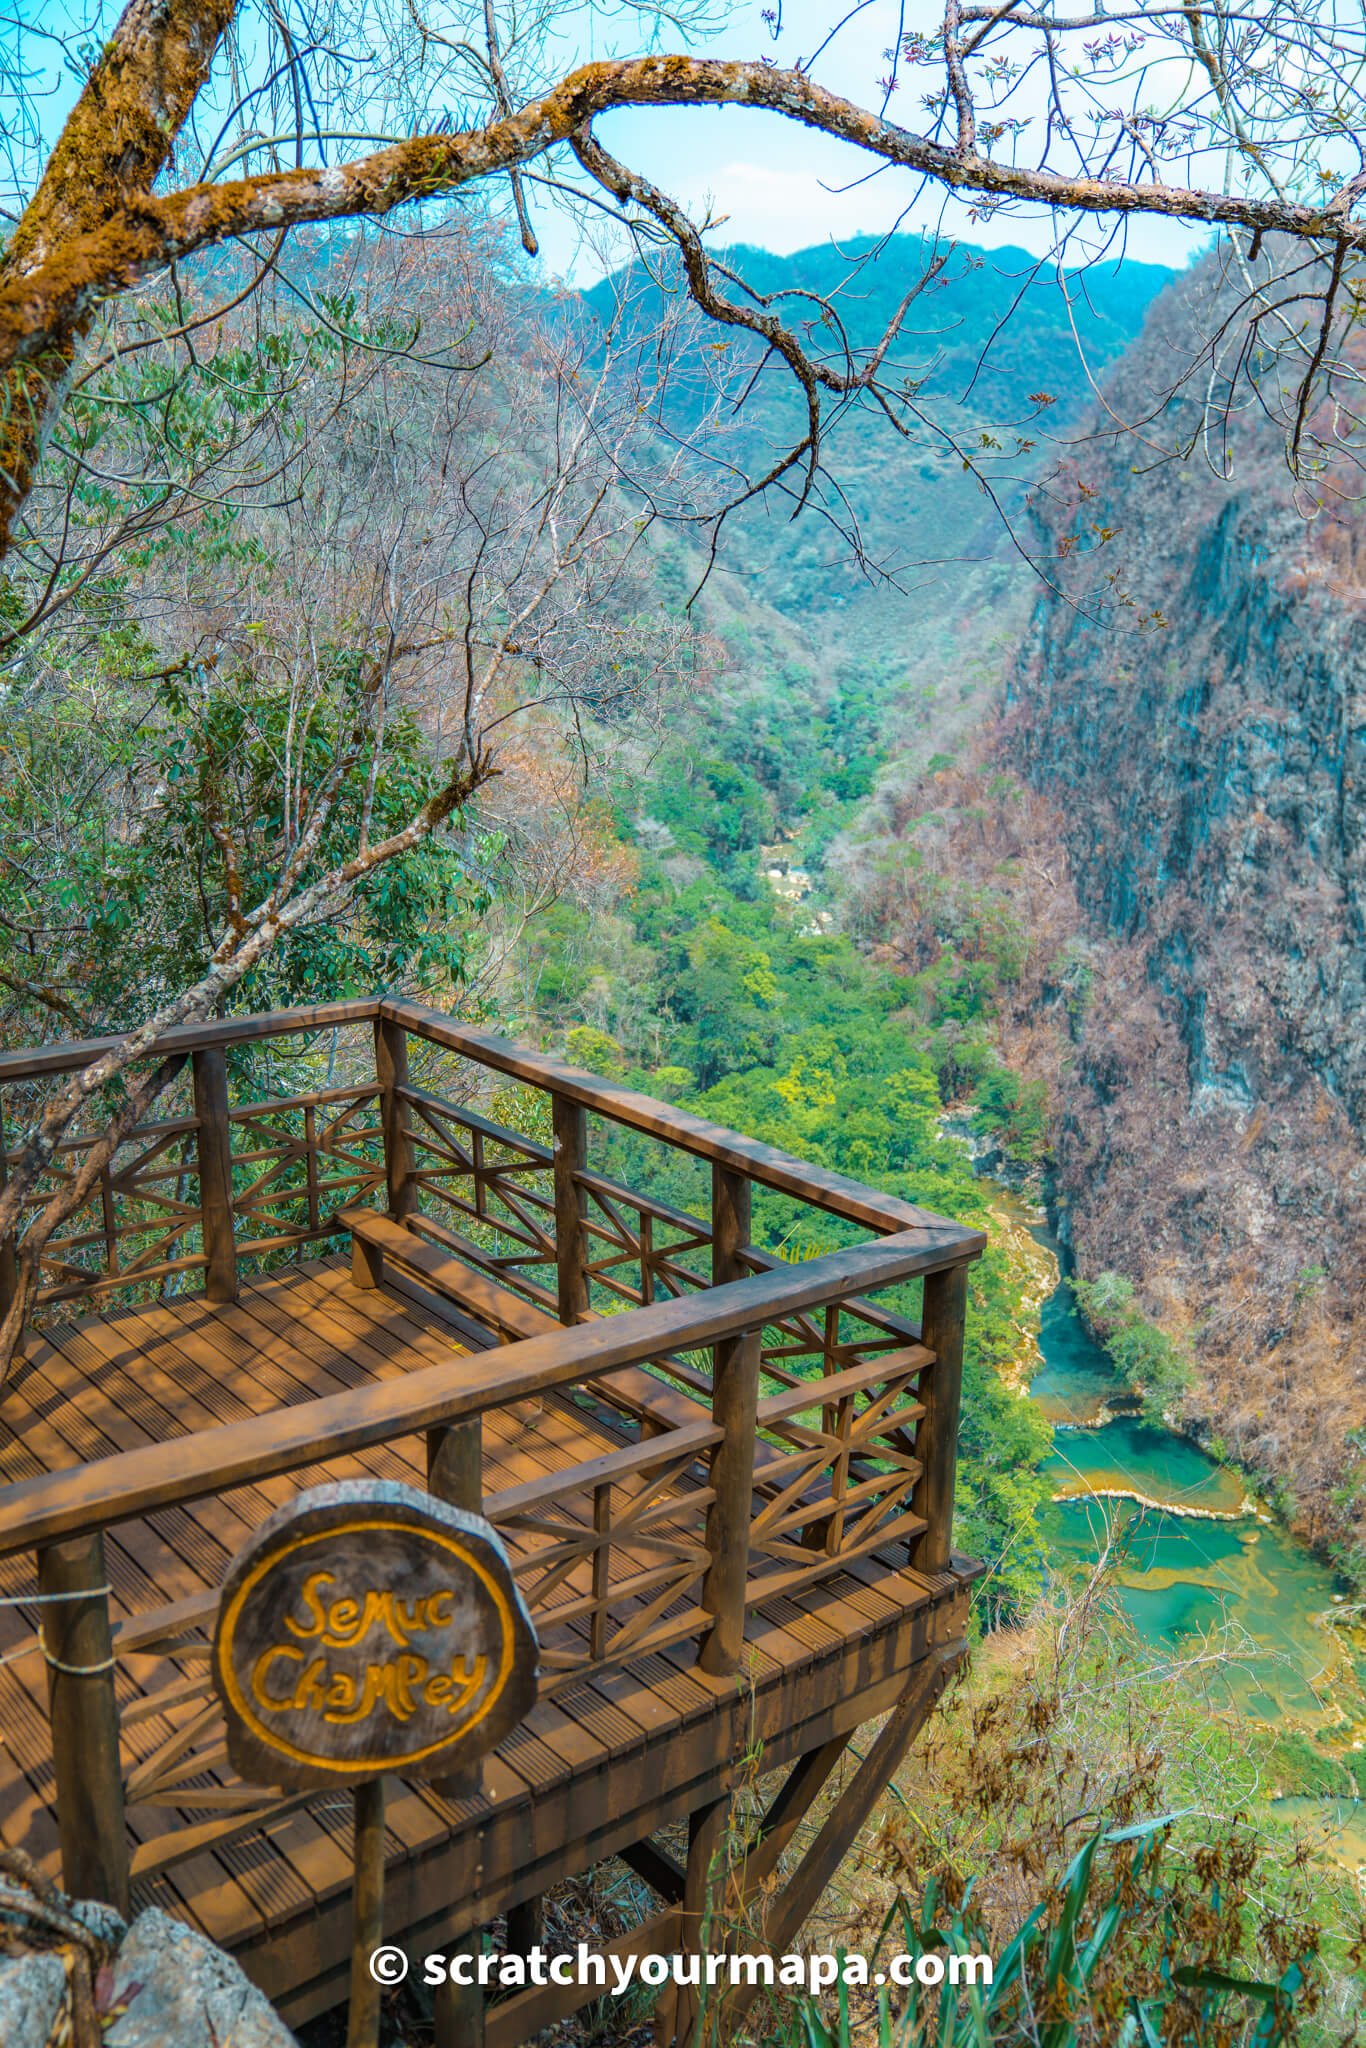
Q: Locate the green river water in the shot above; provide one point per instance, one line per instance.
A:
(1201, 1555)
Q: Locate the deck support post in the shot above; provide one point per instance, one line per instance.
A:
(526, 1925)
(570, 1122)
(78, 1645)
(703, 1895)
(791, 1906)
(790, 1806)
(214, 1143)
(458, 2014)
(367, 1913)
(391, 1071)
(734, 1402)
(936, 1439)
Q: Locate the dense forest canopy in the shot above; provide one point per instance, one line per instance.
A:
(197, 124)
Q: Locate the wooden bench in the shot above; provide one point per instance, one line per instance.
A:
(385, 1251)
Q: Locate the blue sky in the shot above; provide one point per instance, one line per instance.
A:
(780, 185)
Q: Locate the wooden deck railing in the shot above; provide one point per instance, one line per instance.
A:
(808, 1425)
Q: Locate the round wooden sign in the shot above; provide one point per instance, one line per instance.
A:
(368, 1627)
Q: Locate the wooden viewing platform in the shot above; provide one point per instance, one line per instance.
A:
(364, 1240)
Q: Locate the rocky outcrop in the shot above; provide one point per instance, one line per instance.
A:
(1201, 747)
(72, 1975)
(171, 1988)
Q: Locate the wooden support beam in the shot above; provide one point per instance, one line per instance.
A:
(657, 1867)
(936, 1438)
(793, 1902)
(570, 1122)
(460, 2016)
(526, 1926)
(735, 1401)
(703, 1887)
(213, 1142)
(78, 1644)
(391, 1071)
(528, 2013)
(367, 1913)
(789, 1809)
(706, 1833)
(367, 1260)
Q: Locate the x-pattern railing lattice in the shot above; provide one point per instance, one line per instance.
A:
(611, 1559)
(285, 1147)
(139, 1199)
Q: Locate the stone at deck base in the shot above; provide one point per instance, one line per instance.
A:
(182, 1992)
(163, 1987)
(32, 2000)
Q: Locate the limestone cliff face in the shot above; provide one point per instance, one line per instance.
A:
(1206, 780)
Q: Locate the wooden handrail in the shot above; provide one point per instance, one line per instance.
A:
(817, 1185)
(134, 1483)
(36, 1061)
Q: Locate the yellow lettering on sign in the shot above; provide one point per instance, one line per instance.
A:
(262, 1666)
(397, 1686)
(340, 1623)
(354, 1659)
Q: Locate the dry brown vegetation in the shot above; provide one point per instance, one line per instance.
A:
(1239, 1223)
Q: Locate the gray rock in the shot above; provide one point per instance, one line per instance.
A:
(182, 1992)
(32, 1991)
(101, 1920)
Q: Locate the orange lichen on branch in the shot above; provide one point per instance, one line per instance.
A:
(147, 231)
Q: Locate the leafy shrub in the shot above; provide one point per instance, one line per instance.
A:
(1147, 1359)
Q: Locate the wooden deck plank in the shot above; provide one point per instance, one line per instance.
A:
(263, 1870)
(259, 1867)
(578, 1774)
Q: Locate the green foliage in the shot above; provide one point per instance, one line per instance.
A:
(1051, 1988)
(589, 1047)
(1147, 1359)
(1014, 1113)
(117, 803)
(731, 1007)
(712, 806)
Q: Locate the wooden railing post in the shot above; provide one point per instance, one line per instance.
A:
(84, 1713)
(391, 1071)
(9, 1268)
(735, 1397)
(455, 1464)
(936, 1440)
(730, 1223)
(214, 1141)
(455, 1474)
(734, 1400)
(570, 1122)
